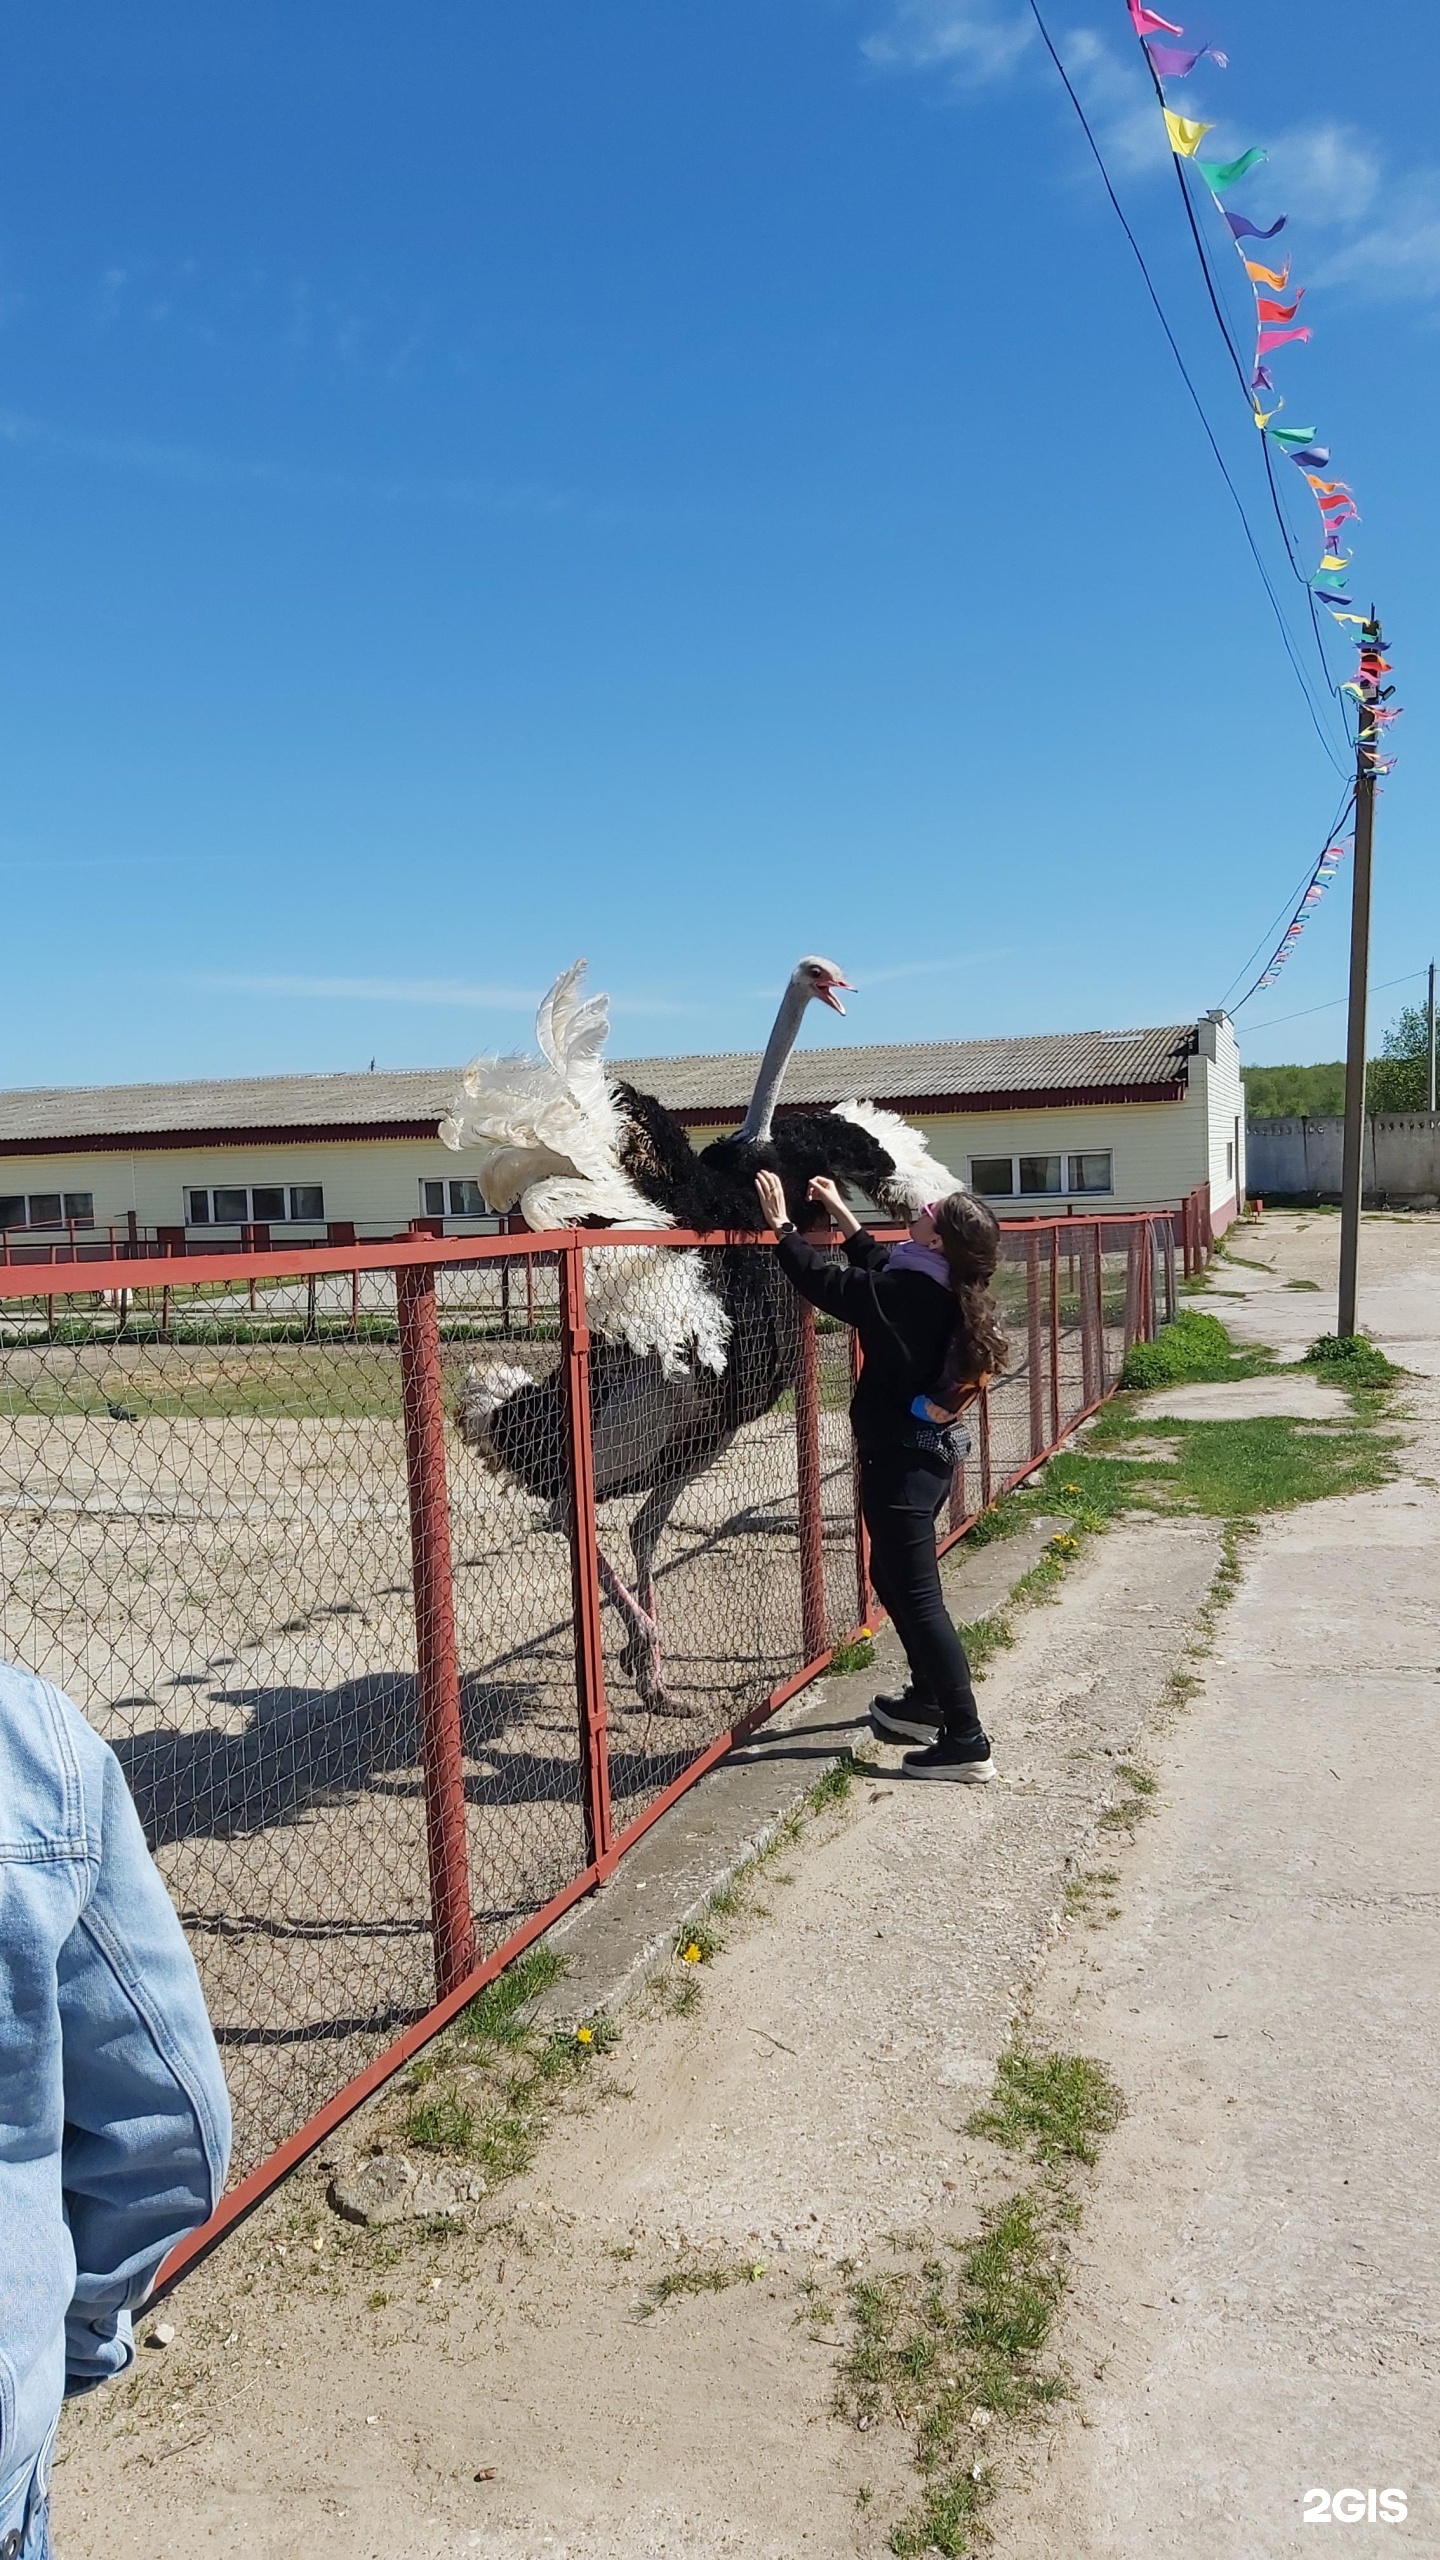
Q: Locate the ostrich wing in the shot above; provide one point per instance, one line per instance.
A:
(918, 1177)
(545, 1136)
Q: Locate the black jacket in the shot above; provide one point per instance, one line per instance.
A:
(904, 1320)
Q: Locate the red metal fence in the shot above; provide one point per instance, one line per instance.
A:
(389, 1699)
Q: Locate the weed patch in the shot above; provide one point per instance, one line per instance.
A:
(1054, 2104)
(1350, 1360)
(679, 2281)
(1141, 1790)
(858, 1656)
(1192, 1347)
(484, 2090)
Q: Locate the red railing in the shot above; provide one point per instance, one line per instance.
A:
(444, 1744)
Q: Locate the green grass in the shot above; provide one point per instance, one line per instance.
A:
(858, 1656)
(677, 2282)
(948, 2345)
(485, 2089)
(1350, 1360)
(1191, 1347)
(933, 2343)
(1055, 2105)
(495, 2015)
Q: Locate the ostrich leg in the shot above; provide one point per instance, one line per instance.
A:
(642, 1653)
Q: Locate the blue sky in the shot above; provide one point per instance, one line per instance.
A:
(511, 478)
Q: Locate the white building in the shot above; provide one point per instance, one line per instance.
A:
(1064, 1121)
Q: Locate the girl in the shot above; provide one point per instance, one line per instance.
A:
(929, 1331)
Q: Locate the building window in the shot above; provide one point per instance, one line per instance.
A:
(48, 1209)
(261, 1204)
(1057, 1177)
(465, 1200)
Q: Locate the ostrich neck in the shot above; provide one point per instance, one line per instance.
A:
(782, 1040)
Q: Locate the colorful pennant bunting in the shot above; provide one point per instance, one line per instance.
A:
(1273, 319)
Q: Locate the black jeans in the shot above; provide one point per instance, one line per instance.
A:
(901, 1491)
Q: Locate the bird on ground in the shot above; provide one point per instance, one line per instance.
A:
(692, 1344)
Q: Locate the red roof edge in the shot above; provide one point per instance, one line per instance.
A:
(312, 1133)
(959, 1106)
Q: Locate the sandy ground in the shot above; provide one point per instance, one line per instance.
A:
(1256, 2312)
(812, 2109)
(224, 1586)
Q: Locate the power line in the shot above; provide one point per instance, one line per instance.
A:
(1335, 1002)
(1185, 376)
(1292, 902)
(1233, 352)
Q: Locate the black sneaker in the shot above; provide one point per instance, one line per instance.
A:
(956, 1764)
(907, 1718)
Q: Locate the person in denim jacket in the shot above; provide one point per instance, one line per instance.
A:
(114, 2122)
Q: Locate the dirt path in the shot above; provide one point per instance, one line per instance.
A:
(811, 2107)
(1256, 2308)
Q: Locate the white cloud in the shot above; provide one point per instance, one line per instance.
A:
(1116, 93)
(974, 40)
(1325, 172)
(1398, 258)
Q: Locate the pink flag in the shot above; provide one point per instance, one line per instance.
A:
(1270, 339)
(1147, 24)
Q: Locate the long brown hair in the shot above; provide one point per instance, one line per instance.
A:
(968, 1235)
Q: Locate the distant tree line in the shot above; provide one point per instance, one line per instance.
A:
(1395, 1081)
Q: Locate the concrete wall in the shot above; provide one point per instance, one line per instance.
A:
(1157, 1149)
(1301, 1159)
(373, 1181)
(1215, 1078)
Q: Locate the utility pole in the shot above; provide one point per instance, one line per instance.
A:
(1430, 1035)
(1372, 667)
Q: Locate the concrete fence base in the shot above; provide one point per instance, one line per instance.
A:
(1301, 1159)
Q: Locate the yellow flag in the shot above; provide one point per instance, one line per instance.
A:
(1185, 134)
(1332, 560)
(1264, 416)
(1267, 275)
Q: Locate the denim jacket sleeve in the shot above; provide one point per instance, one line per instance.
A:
(147, 2118)
(114, 2123)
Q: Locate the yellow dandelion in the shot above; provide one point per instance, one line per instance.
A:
(690, 1954)
(584, 2035)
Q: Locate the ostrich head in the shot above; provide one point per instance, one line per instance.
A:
(817, 980)
(811, 980)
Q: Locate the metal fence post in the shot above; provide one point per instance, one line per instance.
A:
(1134, 1288)
(584, 1557)
(1036, 1343)
(862, 1535)
(1054, 1335)
(987, 1481)
(1168, 1241)
(437, 1662)
(1092, 1335)
(807, 1480)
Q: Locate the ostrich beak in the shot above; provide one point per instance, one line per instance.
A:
(827, 995)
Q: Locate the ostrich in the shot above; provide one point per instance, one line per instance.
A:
(690, 1345)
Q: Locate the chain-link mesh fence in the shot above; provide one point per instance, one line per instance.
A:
(393, 1650)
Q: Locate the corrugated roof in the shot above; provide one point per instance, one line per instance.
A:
(897, 1071)
(406, 1094)
(402, 1101)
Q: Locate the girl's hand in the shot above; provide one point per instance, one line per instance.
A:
(770, 1192)
(827, 1193)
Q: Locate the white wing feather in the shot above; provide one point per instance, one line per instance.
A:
(918, 1176)
(544, 1136)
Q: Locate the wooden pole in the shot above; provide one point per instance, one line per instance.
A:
(1352, 1177)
